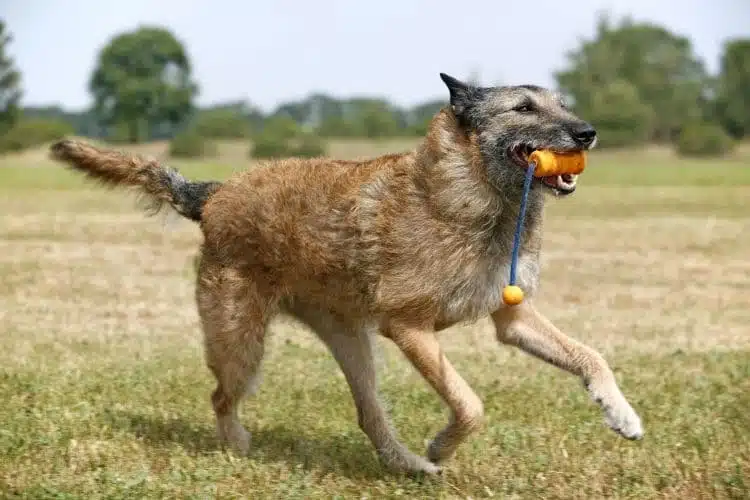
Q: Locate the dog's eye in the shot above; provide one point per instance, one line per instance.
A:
(523, 108)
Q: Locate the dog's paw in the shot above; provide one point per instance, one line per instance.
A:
(240, 442)
(404, 461)
(439, 451)
(435, 453)
(622, 419)
(235, 437)
(618, 414)
(427, 469)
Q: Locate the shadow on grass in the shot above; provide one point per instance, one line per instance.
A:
(340, 454)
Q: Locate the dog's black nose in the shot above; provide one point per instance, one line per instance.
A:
(584, 134)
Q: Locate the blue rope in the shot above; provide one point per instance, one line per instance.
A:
(519, 224)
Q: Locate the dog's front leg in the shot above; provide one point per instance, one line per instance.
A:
(421, 348)
(526, 328)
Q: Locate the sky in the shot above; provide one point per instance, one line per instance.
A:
(268, 52)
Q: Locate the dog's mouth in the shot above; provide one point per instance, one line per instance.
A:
(560, 185)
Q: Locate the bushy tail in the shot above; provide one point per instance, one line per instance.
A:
(158, 183)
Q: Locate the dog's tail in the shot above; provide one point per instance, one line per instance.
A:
(159, 184)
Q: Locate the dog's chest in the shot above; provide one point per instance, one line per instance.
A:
(478, 291)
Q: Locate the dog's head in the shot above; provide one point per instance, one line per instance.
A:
(512, 121)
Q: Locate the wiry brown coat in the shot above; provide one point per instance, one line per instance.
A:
(403, 245)
(420, 234)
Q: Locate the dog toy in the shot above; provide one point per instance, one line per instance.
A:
(542, 163)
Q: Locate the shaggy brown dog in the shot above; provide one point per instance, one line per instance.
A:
(402, 245)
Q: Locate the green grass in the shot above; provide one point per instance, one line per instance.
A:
(134, 430)
(649, 169)
(105, 391)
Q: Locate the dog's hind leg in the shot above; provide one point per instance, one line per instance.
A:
(352, 348)
(234, 313)
(526, 328)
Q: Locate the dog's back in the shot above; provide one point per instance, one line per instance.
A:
(296, 223)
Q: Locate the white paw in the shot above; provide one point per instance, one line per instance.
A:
(618, 413)
(401, 459)
(624, 420)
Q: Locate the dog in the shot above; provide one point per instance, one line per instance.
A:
(402, 245)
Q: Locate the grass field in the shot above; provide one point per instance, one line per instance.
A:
(105, 394)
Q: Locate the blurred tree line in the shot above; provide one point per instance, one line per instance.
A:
(638, 83)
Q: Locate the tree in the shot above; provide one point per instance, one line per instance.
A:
(190, 144)
(10, 84)
(374, 118)
(421, 115)
(335, 126)
(733, 99)
(142, 81)
(83, 123)
(312, 110)
(282, 127)
(319, 112)
(282, 137)
(32, 132)
(659, 64)
(620, 116)
(703, 139)
(221, 124)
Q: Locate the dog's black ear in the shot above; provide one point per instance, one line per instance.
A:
(462, 95)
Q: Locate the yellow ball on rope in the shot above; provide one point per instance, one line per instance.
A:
(512, 295)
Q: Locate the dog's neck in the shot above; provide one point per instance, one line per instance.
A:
(453, 174)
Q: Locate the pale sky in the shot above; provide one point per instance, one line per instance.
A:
(273, 51)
